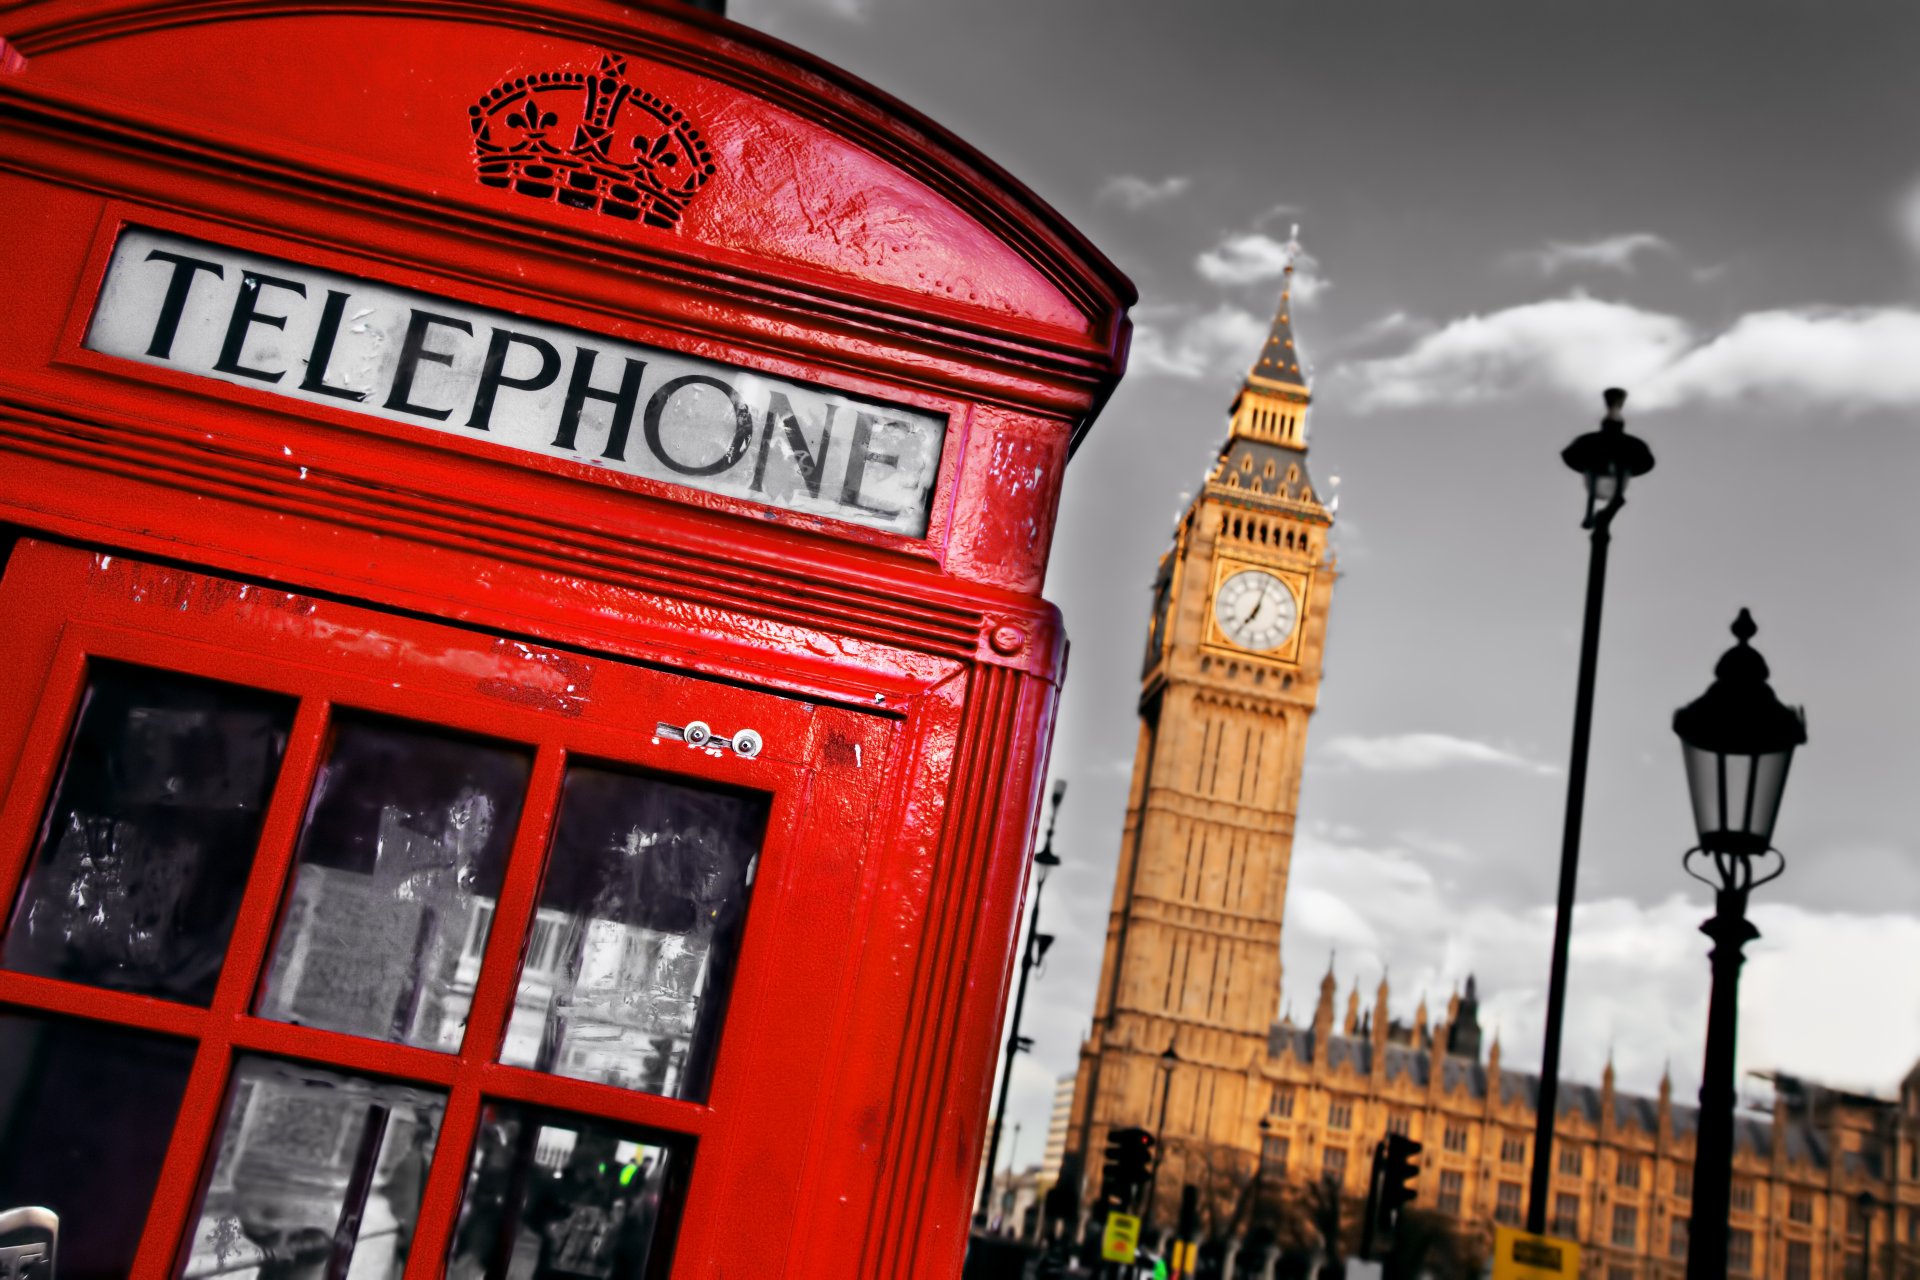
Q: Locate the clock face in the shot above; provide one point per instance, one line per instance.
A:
(1255, 610)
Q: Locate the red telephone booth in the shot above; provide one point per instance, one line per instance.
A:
(523, 683)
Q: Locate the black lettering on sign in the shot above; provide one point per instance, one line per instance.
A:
(1536, 1253)
(246, 314)
(857, 465)
(742, 426)
(493, 372)
(322, 354)
(580, 389)
(811, 464)
(413, 350)
(184, 270)
(330, 343)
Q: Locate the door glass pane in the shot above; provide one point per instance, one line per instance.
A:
(626, 969)
(151, 832)
(554, 1195)
(400, 862)
(86, 1112)
(315, 1172)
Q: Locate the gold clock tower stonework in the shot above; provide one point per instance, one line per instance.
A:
(1232, 674)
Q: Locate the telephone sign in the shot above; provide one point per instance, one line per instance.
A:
(432, 362)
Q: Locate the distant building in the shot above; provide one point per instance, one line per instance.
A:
(1057, 1132)
(1624, 1163)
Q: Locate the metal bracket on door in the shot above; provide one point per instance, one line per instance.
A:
(744, 743)
(29, 1238)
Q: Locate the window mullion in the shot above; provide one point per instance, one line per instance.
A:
(260, 908)
(487, 1016)
(170, 1215)
(440, 1199)
(500, 969)
(178, 1190)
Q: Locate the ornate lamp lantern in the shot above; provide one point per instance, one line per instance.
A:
(1737, 739)
(1608, 458)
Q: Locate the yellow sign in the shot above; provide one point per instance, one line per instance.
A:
(1122, 1241)
(1519, 1256)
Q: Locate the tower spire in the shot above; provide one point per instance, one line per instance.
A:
(1267, 422)
(1277, 367)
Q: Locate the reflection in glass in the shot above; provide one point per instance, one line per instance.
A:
(151, 832)
(405, 844)
(86, 1112)
(552, 1196)
(316, 1174)
(626, 969)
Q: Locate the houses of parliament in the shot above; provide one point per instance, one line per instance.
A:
(1184, 1042)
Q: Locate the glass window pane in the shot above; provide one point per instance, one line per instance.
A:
(146, 845)
(559, 1196)
(86, 1112)
(405, 844)
(626, 969)
(316, 1172)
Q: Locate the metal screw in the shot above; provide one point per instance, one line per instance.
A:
(696, 733)
(746, 744)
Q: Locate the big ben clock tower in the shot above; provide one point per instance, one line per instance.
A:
(1190, 981)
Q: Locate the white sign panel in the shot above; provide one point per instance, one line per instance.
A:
(408, 357)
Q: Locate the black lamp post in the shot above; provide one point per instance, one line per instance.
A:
(1036, 951)
(1737, 739)
(1167, 1061)
(1608, 458)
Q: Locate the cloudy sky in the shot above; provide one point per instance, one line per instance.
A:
(1508, 207)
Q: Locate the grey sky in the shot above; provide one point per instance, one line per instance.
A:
(1508, 207)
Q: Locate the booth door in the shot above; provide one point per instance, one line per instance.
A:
(346, 944)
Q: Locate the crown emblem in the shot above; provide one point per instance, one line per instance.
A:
(590, 140)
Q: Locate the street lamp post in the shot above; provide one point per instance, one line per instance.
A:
(1607, 458)
(1036, 951)
(1167, 1061)
(1737, 739)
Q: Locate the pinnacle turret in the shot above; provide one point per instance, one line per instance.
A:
(1278, 363)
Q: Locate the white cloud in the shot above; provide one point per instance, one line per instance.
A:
(1854, 358)
(1393, 325)
(1254, 257)
(1576, 343)
(1137, 193)
(1846, 359)
(1246, 257)
(1180, 342)
(1638, 976)
(1420, 752)
(1611, 253)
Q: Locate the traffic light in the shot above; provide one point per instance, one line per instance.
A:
(1129, 1157)
(1398, 1174)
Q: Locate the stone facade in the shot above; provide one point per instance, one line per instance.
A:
(1623, 1182)
(1232, 673)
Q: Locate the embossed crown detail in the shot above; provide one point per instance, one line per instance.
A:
(590, 140)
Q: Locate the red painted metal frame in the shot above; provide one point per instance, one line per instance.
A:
(844, 241)
(306, 649)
